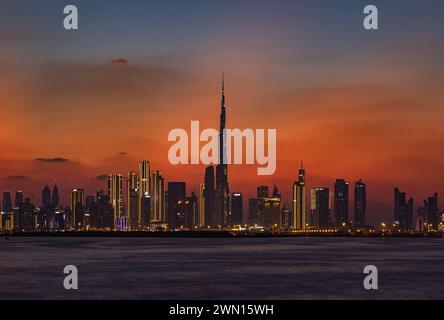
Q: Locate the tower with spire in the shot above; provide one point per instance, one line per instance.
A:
(221, 210)
(299, 215)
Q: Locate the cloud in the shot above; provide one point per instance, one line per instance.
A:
(52, 160)
(18, 177)
(101, 177)
(120, 61)
(122, 153)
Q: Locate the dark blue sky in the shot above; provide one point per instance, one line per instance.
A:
(194, 27)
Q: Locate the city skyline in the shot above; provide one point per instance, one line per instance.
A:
(119, 190)
(144, 203)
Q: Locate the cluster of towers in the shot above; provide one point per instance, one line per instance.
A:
(428, 215)
(140, 202)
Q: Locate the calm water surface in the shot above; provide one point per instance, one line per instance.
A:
(285, 268)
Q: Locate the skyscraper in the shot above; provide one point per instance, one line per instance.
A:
(267, 212)
(77, 201)
(46, 197)
(104, 218)
(360, 204)
(132, 200)
(158, 198)
(236, 209)
(209, 196)
(252, 212)
(403, 211)
(299, 215)
(46, 213)
(201, 205)
(320, 207)
(432, 212)
(191, 210)
(176, 204)
(341, 202)
(270, 209)
(26, 213)
(7, 217)
(19, 198)
(115, 192)
(144, 186)
(222, 190)
(55, 196)
(263, 192)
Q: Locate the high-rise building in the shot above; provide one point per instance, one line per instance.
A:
(263, 192)
(268, 209)
(222, 189)
(145, 212)
(176, 204)
(90, 202)
(77, 201)
(46, 197)
(158, 198)
(104, 212)
(253, 212)
(144, 186)
(7, 216)
(26, 216)
(236, 209)
(271, 208)
(209, 194)
(45, 216)
(360, 204)
(7, 202)
(341, 202)
(201, 223)
(432, 212)
(19, 199)
(132, 200)
(55, 196)
(320, 207)
(403, 211)
(115, 192)
(409, 223)
(286, 217)
(299, 214)
(399, 204)
(191, 211)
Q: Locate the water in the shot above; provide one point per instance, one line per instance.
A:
(274, 268)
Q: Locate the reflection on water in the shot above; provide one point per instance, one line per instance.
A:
(283, 268)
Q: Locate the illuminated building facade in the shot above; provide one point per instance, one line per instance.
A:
(77, 208)
(115, 192)
(144, 189)
(299, 214)
(191, 212)
(132, 200)
(209, 194)
(341, 203)
(236, 209)
(320, 207)
(403, 211)
(360, 204)
(176, 204)
(201, 205)
(158, 198)
(222, 190)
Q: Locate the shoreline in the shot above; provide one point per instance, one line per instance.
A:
(216, 234)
